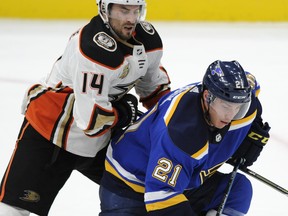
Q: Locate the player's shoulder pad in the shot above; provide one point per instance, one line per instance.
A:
(98, 45)
(147, 34)
(187, 127)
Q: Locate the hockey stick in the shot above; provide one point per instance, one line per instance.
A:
(265, 180)
(239, 162)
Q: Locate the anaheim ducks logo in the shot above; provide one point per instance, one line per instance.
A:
(105, 41)
(125, 72)
(147, 27)
(30, 196)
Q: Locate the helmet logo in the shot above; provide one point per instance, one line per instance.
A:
(105, 41)
(238, 97)
(217, 71)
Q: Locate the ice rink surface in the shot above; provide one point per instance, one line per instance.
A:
(28, 50)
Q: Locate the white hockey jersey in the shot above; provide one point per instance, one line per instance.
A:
(72, 106)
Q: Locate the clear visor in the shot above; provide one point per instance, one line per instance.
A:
(132, 13)
(229, 110)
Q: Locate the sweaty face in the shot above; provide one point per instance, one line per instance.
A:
(123, 19)
(222, 112)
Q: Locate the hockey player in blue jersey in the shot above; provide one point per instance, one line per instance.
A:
(166, 162)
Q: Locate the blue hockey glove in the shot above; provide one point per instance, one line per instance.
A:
(252, 145)
(127, 108)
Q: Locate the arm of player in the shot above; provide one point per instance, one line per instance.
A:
(156, 82)
(166, 179)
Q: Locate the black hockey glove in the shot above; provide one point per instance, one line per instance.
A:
(127, 110)
(252, 145)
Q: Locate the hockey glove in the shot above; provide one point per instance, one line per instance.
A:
(127, 110)
(252, 145)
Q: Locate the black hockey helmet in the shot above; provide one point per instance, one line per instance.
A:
(227, 80)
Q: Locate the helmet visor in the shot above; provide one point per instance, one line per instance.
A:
(229, 110)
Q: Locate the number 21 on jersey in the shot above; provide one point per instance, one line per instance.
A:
(164, 168)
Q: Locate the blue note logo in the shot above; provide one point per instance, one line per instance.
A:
(217, 71)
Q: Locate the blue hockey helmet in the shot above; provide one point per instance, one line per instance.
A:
(227, 80)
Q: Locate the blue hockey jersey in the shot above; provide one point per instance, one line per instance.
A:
(171, 149)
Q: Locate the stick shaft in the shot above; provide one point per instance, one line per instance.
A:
(265, 181)
(229, 186)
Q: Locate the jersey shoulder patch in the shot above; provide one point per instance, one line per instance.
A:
(147, 27)
(147, 34)
(105, 41)
(98, 45)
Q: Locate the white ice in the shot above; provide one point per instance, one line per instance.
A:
(29, 48)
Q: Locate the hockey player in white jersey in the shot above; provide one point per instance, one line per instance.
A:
(70, 115)
(165, 164)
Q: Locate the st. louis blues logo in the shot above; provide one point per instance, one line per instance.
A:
(217, 71)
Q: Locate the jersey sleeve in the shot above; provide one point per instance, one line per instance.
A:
(168, 174)
(156, 82)
(154, 85)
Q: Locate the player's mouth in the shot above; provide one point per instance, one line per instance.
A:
(225, 122)
(129, 28)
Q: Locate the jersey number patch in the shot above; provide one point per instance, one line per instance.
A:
(164, 168)
(92, 81)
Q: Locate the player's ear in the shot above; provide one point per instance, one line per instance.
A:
(205, 95)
